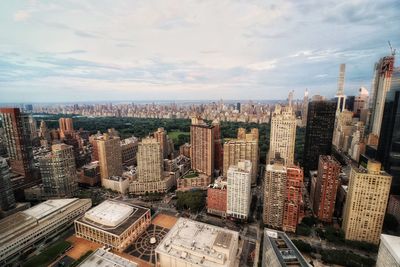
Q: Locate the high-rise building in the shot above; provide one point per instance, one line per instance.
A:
(366, 202)
(110, 157)
(326, 187)
(245, 147)
(239, 190)
(202, 144)
(218, 151)
(275, 182)
(7, 199)
(319, 132)
(283, 134)
(304, 109)
(150, 161)
(58, 172)
(129, 148)
(44, 132)
(18, 141)
(380, 87)
(361, 101)
(293, 209)
(341, 98)
(389, 141)
(389, 251)
(161, 136)
(66, 126)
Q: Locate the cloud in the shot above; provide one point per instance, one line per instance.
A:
(264, 65)
(21, 15)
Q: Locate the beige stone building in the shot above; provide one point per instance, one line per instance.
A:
(202, 146)
(110, 156)
(366, 202)
(283, 134)
(245, 147)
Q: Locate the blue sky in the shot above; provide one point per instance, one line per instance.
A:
(156, 50)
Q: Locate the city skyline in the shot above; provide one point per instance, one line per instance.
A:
(72, 51)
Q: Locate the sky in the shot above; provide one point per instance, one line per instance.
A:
(95, 50)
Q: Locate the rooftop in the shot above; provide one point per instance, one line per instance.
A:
(392, 243)
(103, 258)
(113, 216)
(48, 207)
(199, 243)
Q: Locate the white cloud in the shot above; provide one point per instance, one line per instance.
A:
(21, 15)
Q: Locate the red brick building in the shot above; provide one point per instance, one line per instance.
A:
(293, 207)
(217, 198)
(326, 188)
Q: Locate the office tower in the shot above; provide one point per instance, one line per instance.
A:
(7, 199)
(161, 136)
(388, 146)
(279, 251)
(275, 193)
(319, 132)
(366, 201)
(361, 101)
(245, 147)
(326, 187)
(110, 158)
(239, 190)
(304, 109)
(66, 126)
(59, 172)
(150, 161)
(18, 142)
(218, 152)
(380, 87)
(389, 251)
(283, 134)
(340, 92)
(202, 143)
(293, 210)
(217, 197)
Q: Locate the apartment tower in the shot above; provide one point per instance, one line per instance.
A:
(110, 156)
(202, 144)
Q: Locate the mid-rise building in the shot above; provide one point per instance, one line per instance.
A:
(7, 199)
(245, 147)
(283, 134)
(217, 197)
(366, 201)
(66, 126)
(202, 146)
(58, 172)
(326, 188)
(294, 207)
(275, 182)
(185, 150)
(319, 131)
(193, 180)
(279, 251)
(239, 190)
(89, 174)
(110, 156)
(196, 244)
(17, 136)
(389, 251)
(115, 224)
(24, 230)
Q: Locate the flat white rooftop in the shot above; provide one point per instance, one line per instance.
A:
(200, 244)
(110, 213)
(46, 208)
(393, 245)
(103, 258)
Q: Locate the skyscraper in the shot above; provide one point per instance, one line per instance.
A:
(366, 202)
(293, 208)
(274, 193)
(202, 144)
(380, 86)
(245, 147)
(326, 188)
(7, 199)
(389, 141)
(319, 132)
(58, 172)
(18, 141)
(283, 134)
(239, 190)
(110, 156)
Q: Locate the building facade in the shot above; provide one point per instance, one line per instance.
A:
(326, 187)
(7, 199)
(129, 148)
(294, 207)
(366, 201)
(239, 190)
(202, 146)
(217, 198)
(110, 156)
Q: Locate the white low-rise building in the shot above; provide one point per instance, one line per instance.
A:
(389, 251)
(24, 230)
(104, 258)
(190, 243)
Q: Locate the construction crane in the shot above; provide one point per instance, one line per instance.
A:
(392, 50)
